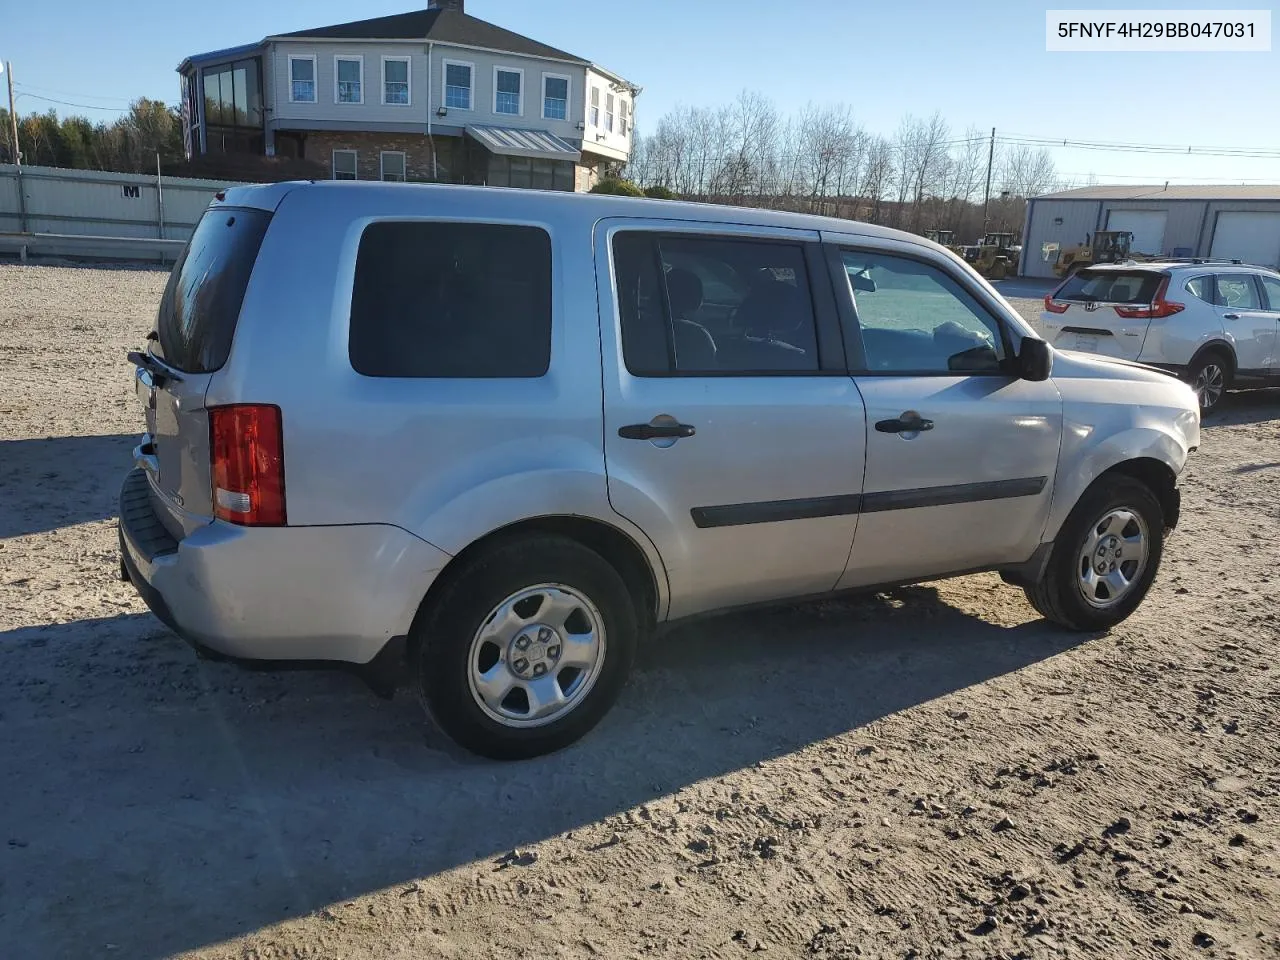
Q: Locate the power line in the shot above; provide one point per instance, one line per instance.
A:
(78, 106)
(1176, 148)
(1192, 151)
(1158, 178)
(66, 93)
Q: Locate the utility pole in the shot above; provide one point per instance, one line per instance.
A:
(17, 154)
(13, 117)
(986, 197)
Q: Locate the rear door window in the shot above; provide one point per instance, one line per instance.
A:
(1110, 286)
(1238, 290)
(201, 302)
(451, 300)
(706, 306)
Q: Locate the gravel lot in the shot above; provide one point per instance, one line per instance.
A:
(929, 772)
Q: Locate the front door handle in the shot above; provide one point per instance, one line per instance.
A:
(655, 431)
(904, 424)
(1231, 316)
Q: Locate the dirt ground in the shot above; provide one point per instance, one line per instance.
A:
(930, 772)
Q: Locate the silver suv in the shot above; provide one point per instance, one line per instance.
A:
(1216, 323)
(484, 441)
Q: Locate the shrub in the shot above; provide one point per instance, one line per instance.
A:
(617, 187)
(659, 192)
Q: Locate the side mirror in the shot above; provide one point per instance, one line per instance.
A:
(1035, 359)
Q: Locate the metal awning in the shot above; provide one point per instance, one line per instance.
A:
(513, 142)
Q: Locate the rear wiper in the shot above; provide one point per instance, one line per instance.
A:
(160, 374)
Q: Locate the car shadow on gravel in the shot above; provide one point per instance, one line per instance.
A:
(52, 482)
(159, 803)
(1246, 407)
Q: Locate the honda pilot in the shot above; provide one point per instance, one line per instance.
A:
(482, 442)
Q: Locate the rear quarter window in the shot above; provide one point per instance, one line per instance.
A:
(1201, 288)
(1110, 286)
(451, 300)
(201, 303)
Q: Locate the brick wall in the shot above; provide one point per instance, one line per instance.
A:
(416, 148)
(369, 146)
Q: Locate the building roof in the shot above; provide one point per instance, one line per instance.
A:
(1166, 192)
(442, 26)
(230, 53)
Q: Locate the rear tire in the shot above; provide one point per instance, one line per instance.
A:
(544, 618)
(1104, 558)
(1210, 377)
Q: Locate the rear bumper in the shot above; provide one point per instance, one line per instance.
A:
(338, 593)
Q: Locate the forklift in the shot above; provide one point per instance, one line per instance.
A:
(1107, 246)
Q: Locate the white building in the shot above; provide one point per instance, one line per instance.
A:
(435, 94)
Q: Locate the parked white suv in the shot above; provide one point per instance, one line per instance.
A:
(486, 440)
(1215, 323)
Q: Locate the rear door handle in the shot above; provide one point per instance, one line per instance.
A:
(907, 425)
(1231, 316)
(655, 431)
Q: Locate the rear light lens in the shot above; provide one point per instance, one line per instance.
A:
(1159, 308)
(247, 456)
(1052, 305)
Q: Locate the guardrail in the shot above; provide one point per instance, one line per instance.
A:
(83, 247)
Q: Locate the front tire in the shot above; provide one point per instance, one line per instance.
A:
(526, 648)
(1210, 377)
(1104, 558)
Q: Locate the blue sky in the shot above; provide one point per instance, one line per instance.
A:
(980, 63)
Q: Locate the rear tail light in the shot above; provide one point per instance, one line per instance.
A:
(1159, 307)
(247, 457)
(1053, 306)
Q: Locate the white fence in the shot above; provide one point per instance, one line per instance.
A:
(90, 213)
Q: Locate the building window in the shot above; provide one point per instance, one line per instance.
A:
(395, 80)
(507, 86)
(393, 165)
(344, 165)
(623, 109)
(526, 172)
(348, 74)
(555, 97)
(457, 85)
(595, 106)
(302, 79)
(608, 113)
(233, 108)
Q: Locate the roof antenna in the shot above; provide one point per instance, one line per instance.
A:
(1166, 184)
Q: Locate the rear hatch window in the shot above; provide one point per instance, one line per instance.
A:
(1109, 286)
(201, 303)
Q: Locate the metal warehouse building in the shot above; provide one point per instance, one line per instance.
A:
(1206, 221)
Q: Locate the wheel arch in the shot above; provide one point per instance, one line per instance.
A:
(1216, 345)
(1156, 475)
(619, 549)
(1153, 455)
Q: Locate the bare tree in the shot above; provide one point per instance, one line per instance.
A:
(1025, 172)
(825, 145)
(879, 176)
